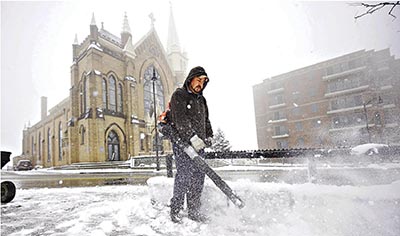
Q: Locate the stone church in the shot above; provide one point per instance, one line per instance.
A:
(109, 114)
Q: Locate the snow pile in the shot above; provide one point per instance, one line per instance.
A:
(305, 209)
(271, 209)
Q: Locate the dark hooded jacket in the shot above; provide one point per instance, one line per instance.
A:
(189, 111)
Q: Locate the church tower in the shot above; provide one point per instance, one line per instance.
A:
(177, 58)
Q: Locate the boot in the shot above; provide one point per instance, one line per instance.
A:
(175, 216)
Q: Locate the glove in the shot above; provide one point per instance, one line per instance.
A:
(197, 143)
(209, 142)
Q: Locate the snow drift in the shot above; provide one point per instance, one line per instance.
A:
(271, 209)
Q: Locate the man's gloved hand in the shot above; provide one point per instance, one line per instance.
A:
(197, 143)
(209, 142)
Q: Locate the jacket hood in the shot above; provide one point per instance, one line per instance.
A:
(196, 71)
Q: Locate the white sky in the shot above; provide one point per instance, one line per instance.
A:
(240, 43)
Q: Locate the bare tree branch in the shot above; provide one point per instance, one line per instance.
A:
(371, 8)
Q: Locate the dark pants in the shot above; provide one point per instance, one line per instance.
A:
(189, 180)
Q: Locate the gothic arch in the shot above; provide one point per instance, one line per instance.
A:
(117, 129)
(115, 143)
(153, 61)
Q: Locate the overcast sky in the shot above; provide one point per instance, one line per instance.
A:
(239, 43)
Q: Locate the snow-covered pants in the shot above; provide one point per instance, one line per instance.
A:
(189, 180)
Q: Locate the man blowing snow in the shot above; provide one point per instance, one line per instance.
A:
(189, 113)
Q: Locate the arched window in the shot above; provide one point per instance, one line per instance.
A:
(104, 88)
(81, 99)
(82, 132)
(148, 91)
(40, 146)
(60, 136)
(113, 89)
(87, 94)
(48, 145)
(120, 100)
(33, 146)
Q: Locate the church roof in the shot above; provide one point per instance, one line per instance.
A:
(110, 37)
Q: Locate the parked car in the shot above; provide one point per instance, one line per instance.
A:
(369, 149)
(24, 165)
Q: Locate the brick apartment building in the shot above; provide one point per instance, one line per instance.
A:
(345, 101)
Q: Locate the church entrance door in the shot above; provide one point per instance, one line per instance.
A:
(113, 146)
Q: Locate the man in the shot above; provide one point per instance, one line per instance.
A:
(189, 114)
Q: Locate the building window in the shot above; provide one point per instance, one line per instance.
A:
(316, 123)
(148, 92)
(299, 126)
(281, 130)
(346, 102)
(40, 146)
(33, 146)
(81, 99)
(296, 111)
(279, 115)
(296, 95)
(313, 92)
(85, 94)
(282, 144)
(277, 99)
(48, 145)
(60, 136)
(352, 81)
(82, 132)
(104, 89)
(113, 94)
(300, 142)
(314, 108)
(348, 120)
(142, 137)
(120, 100)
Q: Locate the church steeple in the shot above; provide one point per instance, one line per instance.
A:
(176, 57)
(126, 30)
(76, 40)
(93, 21)
(173, 40)
(93, 28)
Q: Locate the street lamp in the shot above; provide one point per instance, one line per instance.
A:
(154, 78)
(380, 101)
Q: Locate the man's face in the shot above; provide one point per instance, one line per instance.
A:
(197, 84)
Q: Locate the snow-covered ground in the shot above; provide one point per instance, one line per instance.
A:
(271, 209)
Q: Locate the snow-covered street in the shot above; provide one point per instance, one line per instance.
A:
(271, 209)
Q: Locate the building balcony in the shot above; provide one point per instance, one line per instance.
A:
(350, 128)
(280, 136)
(277, 121)
(347, 109)
(343, 73)
(274, 91)
(277, 106)
(346, 91)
